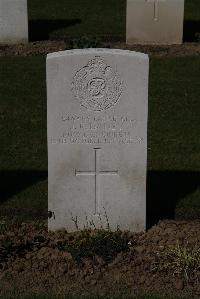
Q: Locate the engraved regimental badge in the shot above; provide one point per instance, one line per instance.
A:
(97, 86)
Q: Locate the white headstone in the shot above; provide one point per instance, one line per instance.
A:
(97, 139)
(154, 21)
(13, 21)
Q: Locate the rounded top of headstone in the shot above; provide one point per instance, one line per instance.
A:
(97, 51)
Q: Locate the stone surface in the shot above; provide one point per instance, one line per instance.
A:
(97, 139)
(154, 21)
(13, 21)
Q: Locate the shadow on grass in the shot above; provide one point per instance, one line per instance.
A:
(41, 29)
(15, 181)
(191, 31)
(165, 189)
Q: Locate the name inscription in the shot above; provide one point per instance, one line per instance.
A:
(97, 129)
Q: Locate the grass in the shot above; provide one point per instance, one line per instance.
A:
(191, 11)
(174, 118)
(23, 131)
(102, 243)
(173, 143)
(184, 261)
(23, 110)
(60, 19)
(76, 17)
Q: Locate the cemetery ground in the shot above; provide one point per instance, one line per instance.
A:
(165, 259)
(58, 20)
(70, 24)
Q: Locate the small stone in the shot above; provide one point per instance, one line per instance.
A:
(35, 266)
(142, 279)
(119, 258)
(179, 284)
(93, 282)
(11, 234)
(99, 275)
(63, 268)
(39, 239)
(72, 273)
(100, 260)
(156, 239)
(118, 277)
(67, 256)
(43, 265)
(162, 242)
(18, 268)
(139, 249)
(87, 263)
(28, 256)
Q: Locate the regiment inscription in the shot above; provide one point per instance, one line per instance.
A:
(97, 86)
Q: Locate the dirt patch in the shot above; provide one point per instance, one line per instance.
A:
(34, 48)
(45, 47)
(35, 261)
(186, 49)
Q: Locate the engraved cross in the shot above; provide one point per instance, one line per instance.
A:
(97, 173)
(155, 7)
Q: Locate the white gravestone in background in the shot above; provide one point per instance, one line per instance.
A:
(97, 139)
(154, 21)
(13, 21)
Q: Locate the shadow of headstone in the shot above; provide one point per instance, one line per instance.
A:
(42, 29)
(191, 31)
(15, 181)
(165, 189)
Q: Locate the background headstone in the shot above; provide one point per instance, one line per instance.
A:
(154, 21)
(13, 21)
(97, 139)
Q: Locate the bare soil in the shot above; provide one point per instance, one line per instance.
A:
(33, 261)
(45, 47)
